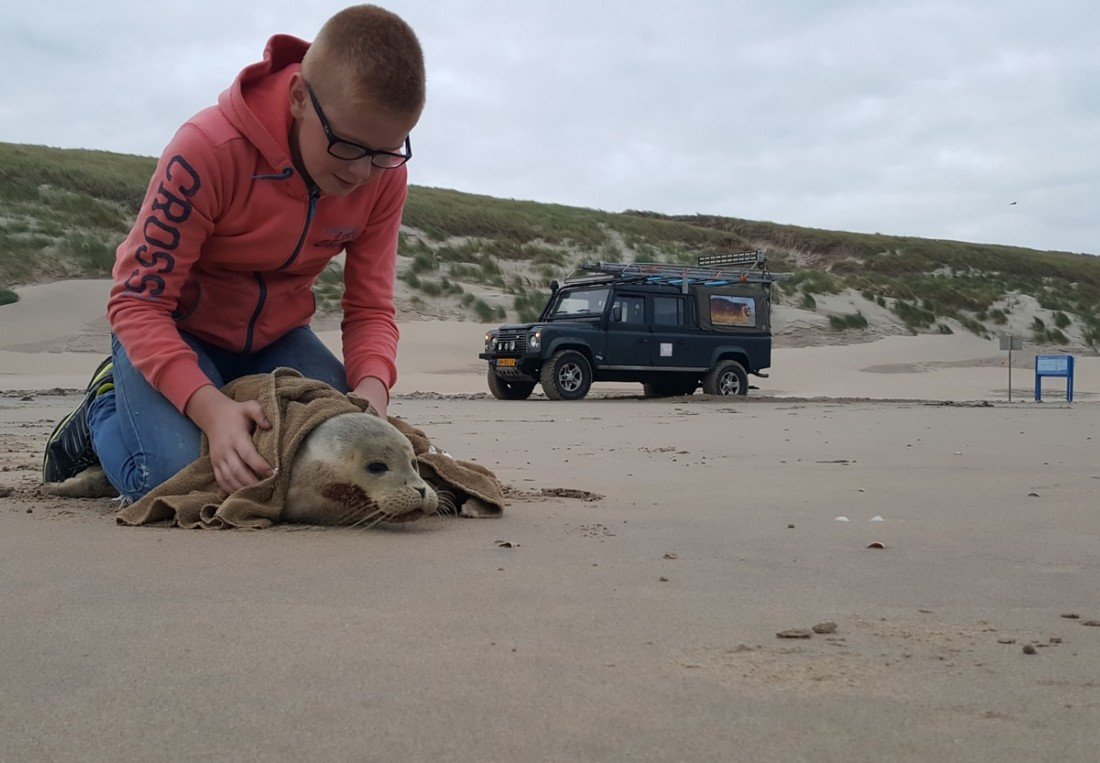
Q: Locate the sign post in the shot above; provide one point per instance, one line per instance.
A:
(1053, 365)
(1011, 342)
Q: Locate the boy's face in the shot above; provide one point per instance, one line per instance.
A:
(350, 122)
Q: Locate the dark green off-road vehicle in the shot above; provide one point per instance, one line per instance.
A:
(672, 328)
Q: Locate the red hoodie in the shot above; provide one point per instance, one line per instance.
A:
(230, 239)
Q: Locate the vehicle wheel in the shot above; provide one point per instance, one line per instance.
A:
(509, 390)
(726, 378)
(669, 389)
(566, 376)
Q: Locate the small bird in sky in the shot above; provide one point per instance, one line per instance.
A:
(1012, 204)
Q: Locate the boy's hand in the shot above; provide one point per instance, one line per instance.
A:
(374, 392)
(228, 426)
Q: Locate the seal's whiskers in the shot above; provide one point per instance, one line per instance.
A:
(446, 502)
(381, 517)
(371, 517)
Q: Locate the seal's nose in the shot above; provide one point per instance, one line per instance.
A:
(423, 491)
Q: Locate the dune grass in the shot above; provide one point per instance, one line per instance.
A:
(846, 321)
(933, 278)
(63, 213)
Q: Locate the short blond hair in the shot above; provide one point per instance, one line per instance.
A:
(370, 54)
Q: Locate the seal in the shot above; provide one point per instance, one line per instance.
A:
(356, 469)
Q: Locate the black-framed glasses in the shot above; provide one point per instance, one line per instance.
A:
(350, 151)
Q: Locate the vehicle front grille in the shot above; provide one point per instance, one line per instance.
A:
(509, 341)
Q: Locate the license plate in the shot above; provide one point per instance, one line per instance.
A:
(506, 362)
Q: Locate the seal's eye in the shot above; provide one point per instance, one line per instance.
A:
(377, 467)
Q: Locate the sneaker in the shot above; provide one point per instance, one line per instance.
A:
(69, 450)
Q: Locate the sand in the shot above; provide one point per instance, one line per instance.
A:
(625, 607)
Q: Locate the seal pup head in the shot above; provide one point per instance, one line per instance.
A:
(356, 469)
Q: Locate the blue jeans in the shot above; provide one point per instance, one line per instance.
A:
(142, 440)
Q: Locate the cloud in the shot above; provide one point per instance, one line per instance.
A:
(921, 119)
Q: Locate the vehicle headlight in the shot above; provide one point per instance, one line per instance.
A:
(488, 341)
(534, 339)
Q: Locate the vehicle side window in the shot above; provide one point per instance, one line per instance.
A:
(628, 310)
(668, 311)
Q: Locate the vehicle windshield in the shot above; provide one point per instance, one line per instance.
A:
(580, 302)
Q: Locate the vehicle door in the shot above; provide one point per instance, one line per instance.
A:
(578, 314)
(628, 335)
(670, 345)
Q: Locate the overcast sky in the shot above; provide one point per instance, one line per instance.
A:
(923, 118)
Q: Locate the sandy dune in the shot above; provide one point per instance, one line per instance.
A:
(639, 624)
(56, 334)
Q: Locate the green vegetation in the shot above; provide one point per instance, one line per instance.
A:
(7, 296)
(816, 282)
(423, 262)
(934, 279)
(64, 212)
(526, 229)
(328, 289)
(846, 321)
(1043, 335)
(974, 326)
(1054, 336)
(913, 315)
(528, 306)
(486, 313)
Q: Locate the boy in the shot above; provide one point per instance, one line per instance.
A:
(302, 157)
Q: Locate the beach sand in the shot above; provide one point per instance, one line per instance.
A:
(627, 604)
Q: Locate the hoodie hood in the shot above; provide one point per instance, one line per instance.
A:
(257, 103)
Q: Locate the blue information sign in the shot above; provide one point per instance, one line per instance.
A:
(1057, 366)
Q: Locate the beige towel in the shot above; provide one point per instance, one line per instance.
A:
(294, 405)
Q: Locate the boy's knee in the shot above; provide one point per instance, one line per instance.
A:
(133, 483)
(143, 473)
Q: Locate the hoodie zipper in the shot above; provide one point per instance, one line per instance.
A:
(314, 194)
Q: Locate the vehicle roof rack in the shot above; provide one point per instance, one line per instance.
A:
(757, 258)
(711, 271)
